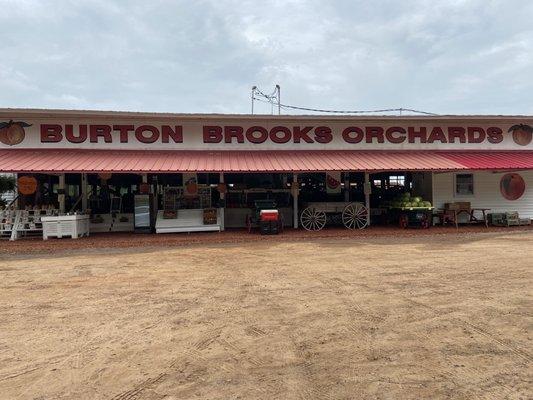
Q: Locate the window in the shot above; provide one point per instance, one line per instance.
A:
(397, 180)
(464, 184)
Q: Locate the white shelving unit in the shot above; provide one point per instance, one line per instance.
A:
(17, 223)
(7, 222)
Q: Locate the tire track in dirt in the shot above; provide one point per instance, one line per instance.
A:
(138, 389)
(518, 351)
(335, 284)
(54, 360)
(190, 353)
(209, 337)
(306, 387)
(371, 320)
(310, 390)
(452, 374)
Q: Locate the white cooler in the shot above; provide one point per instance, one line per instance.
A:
(73, 226)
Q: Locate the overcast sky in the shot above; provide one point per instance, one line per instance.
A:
(455, 56)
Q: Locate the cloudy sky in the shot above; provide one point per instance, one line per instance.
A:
(447, 56)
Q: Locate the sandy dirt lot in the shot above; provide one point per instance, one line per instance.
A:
(433, 316)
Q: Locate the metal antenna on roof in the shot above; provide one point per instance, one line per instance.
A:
(272, 98)
(253, 98)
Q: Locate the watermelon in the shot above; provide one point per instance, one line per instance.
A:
(405, 196)
(417, 199)
(427, 204)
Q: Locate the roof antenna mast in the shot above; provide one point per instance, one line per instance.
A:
(273, 98)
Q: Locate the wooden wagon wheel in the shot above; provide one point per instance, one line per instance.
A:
(313, 219)
(354, 216)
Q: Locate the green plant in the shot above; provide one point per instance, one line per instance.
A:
(7, 184)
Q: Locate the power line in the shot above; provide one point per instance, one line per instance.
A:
(285, 106)
(273, 99)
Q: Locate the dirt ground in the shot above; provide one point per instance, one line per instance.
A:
(384, 317)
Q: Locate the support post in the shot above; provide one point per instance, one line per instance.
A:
(367, 190)
(278, 88)
(222, 209)
(61, 194)
(346, 187)
(295, 191)
(84, 197)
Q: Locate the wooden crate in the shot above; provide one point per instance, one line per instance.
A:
(210, 216)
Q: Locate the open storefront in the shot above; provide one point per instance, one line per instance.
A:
(185, 173)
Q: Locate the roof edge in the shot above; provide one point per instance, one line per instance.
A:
(50, 113)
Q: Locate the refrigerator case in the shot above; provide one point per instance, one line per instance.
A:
(142, 217)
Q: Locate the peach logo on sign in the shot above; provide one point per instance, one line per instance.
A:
(12, 133)
(512, 186)
(522, 134)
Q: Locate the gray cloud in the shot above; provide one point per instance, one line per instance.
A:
(455, 56)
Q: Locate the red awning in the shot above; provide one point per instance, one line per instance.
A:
(124, 161)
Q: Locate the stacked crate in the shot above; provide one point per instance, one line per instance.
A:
(510, 218)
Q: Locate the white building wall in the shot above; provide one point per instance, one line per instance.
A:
(486, 192)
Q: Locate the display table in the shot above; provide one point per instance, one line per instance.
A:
(189, 220)
(452, 216)
(73, 226)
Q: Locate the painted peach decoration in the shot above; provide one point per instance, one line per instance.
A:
(512, 186)
(12, 133)
(522, 134)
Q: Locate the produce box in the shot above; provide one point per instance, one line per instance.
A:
(170, 214)
(210, 216)
(458, 205)
(511, 218)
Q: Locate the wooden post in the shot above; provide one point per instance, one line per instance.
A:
(222, 209)
(84, 197)
(61, 195)
(346, 187)
(295, 191)
(367, 191)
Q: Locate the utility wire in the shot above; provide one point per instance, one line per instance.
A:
(355, 111)
(270, 99)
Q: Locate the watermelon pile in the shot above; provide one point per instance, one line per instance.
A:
(404, 200)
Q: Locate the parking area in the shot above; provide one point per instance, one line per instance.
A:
(384, 315)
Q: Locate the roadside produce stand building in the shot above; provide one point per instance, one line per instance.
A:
(187, 164)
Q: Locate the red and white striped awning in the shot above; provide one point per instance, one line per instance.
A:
(126, 161)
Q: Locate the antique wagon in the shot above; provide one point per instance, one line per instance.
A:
(353, 215)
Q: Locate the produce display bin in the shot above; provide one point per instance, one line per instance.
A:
(73, 226)
(412, 217)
